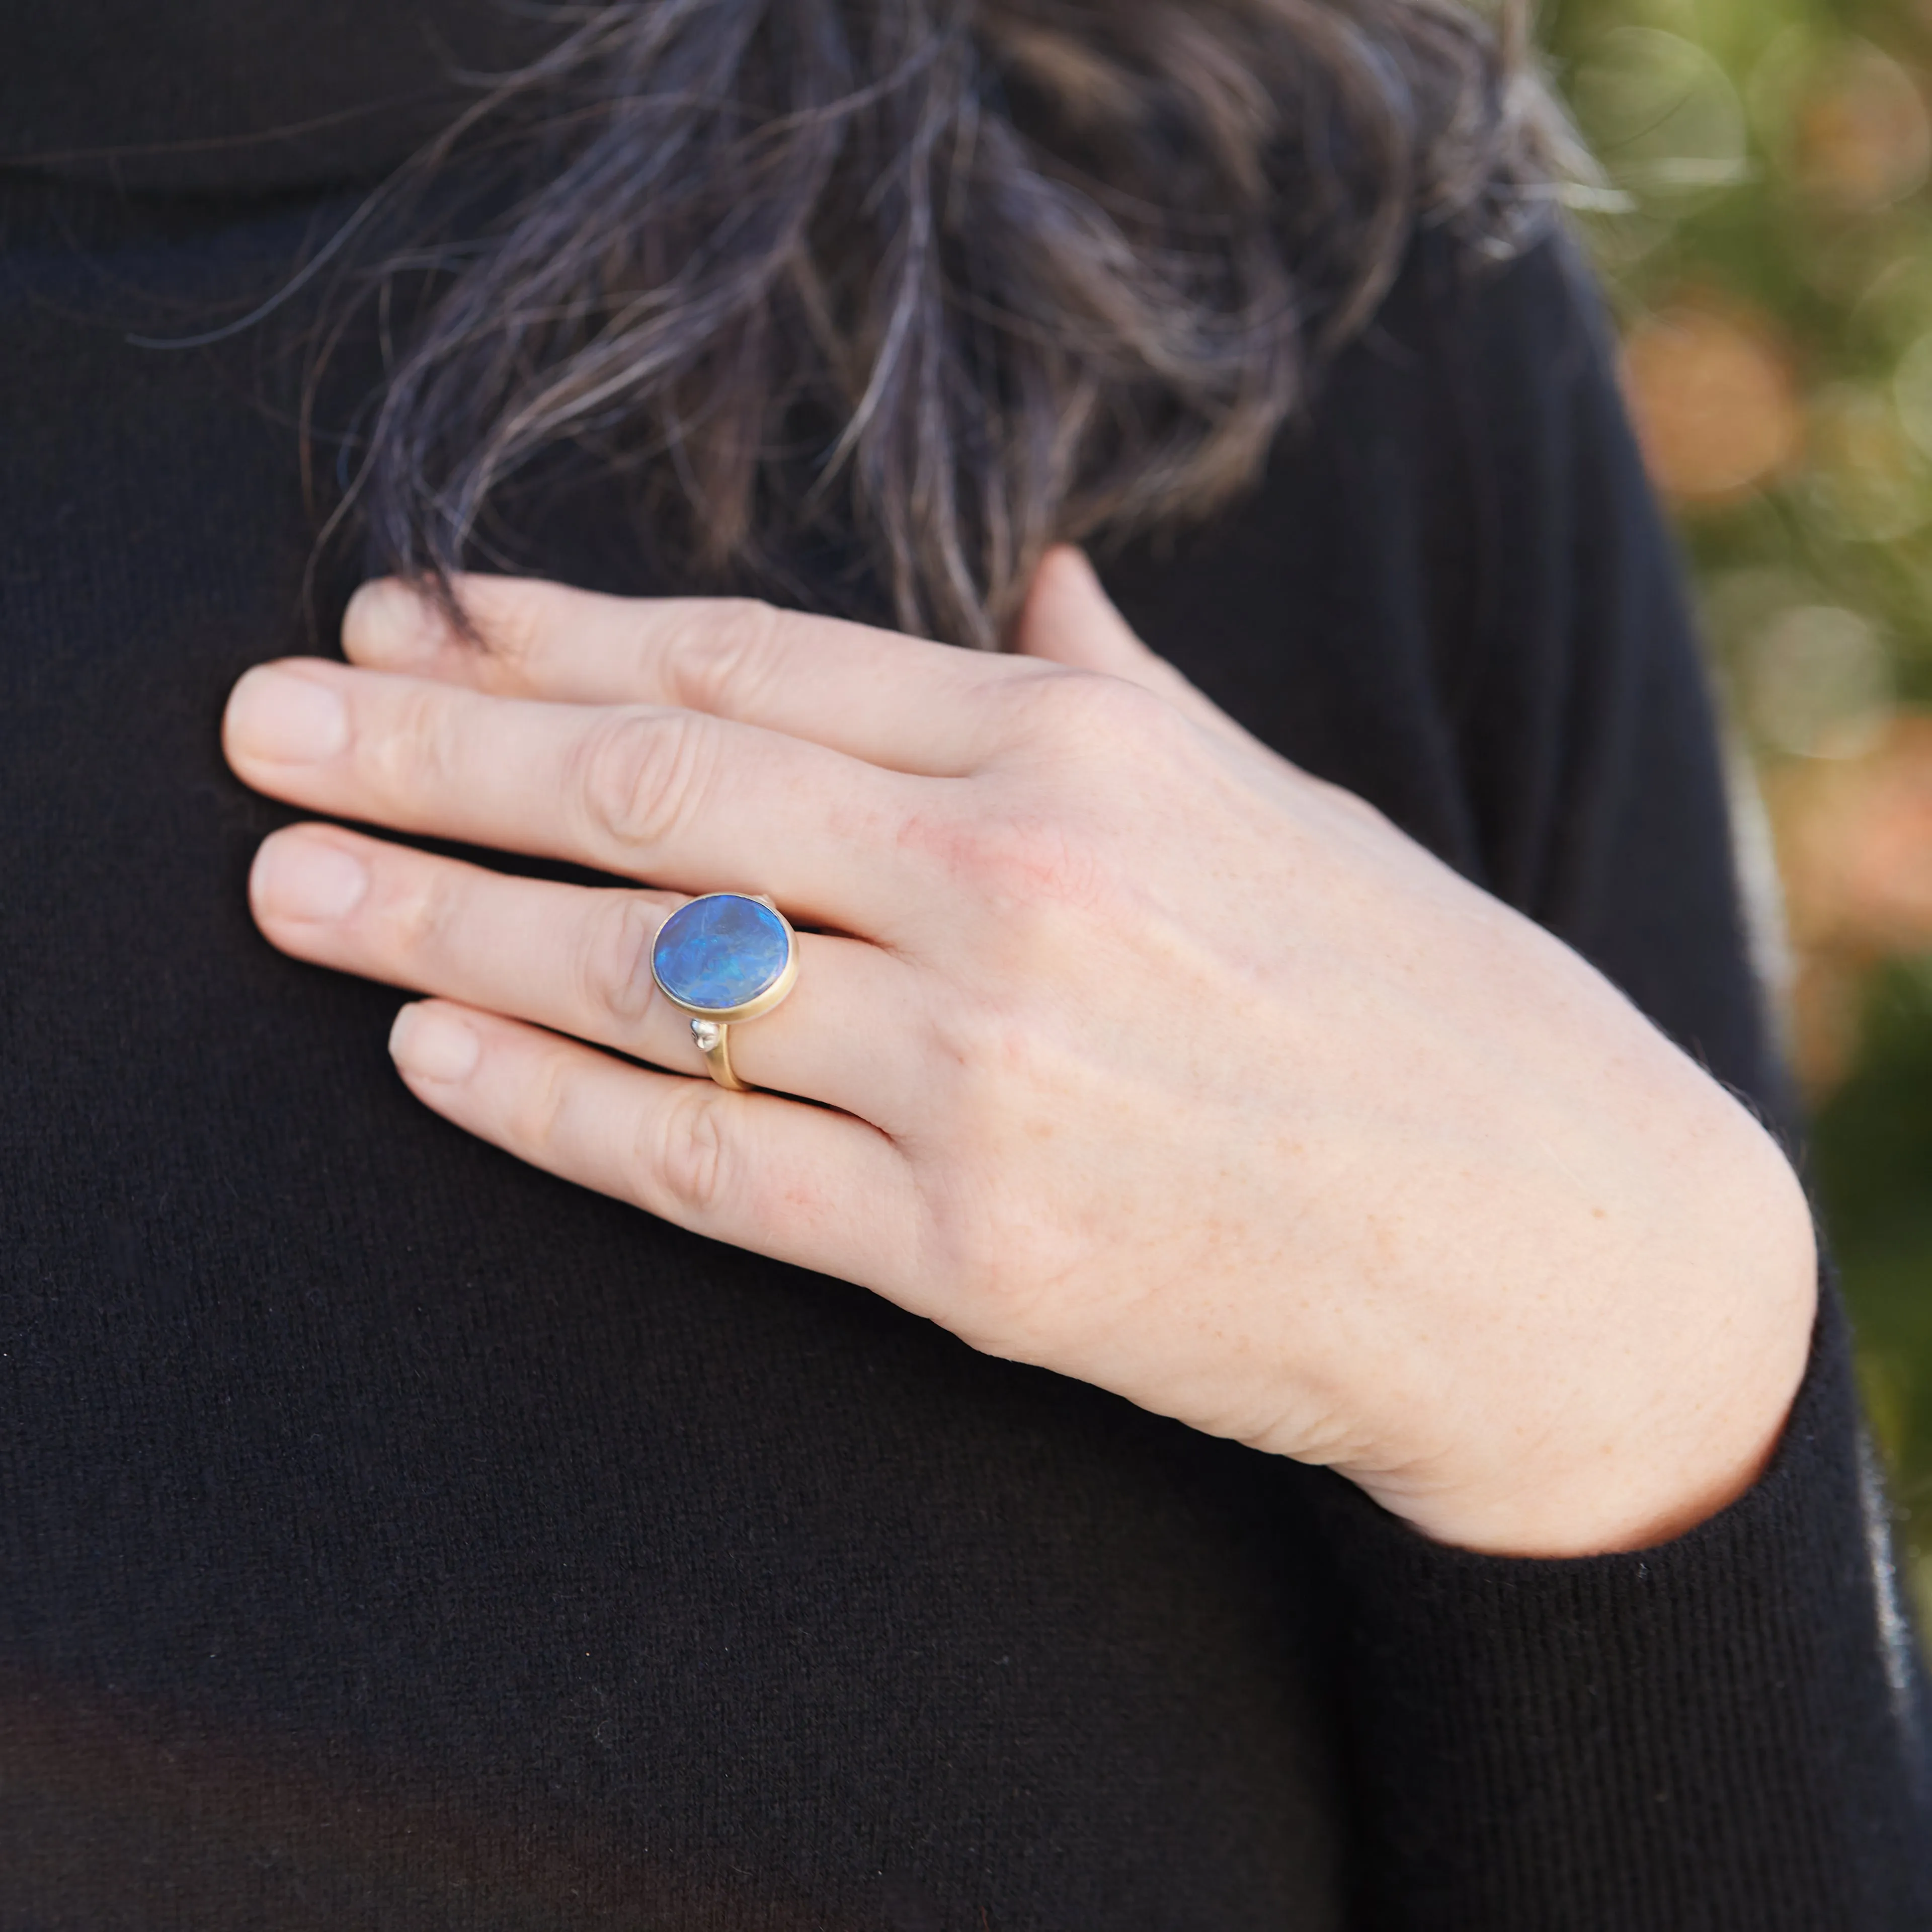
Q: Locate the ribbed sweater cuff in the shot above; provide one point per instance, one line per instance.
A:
(1660, 1717)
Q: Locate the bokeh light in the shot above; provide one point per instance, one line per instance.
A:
(1714, 400)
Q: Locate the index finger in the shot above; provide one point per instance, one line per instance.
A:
(895, 701)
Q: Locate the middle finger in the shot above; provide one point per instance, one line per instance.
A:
(681, 799)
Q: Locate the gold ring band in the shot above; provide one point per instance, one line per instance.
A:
(714, 1042)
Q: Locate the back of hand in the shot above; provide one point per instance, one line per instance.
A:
(1140, 1054)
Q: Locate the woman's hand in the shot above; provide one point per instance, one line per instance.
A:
(1147, 1058)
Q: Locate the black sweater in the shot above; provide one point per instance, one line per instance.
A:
(393, 1537)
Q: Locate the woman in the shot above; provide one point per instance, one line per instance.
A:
(1264, 1390)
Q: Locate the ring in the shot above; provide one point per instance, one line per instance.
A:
(724, 957)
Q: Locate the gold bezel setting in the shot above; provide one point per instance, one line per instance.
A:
(761, 1002)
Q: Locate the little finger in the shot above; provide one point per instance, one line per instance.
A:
(802, 1184)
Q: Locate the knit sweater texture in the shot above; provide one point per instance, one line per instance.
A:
(393, 1536)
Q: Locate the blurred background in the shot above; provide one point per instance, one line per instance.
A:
(1765, 222)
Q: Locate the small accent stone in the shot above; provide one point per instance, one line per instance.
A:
(720, 952)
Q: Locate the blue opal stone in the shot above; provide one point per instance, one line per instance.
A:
(719, 952)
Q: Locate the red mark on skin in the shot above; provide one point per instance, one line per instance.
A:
(1031, 861)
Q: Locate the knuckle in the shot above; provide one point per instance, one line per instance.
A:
(686, 1154)
(971, 1041)
(513, 624)
(992, 1049)
(613, 968)
(724, 652)
(537, 1116)
(1352, 805)
(413, 752)
(1000, 1278)
(418, 914)
(1081, 714)
(997, 1283)
(640, 775)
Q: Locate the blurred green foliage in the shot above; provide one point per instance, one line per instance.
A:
(1765, 227)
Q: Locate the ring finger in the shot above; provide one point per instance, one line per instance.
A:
(577, 961)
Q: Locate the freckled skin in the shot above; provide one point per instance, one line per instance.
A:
(1138, 1054)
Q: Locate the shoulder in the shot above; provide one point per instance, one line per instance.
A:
(1532, 324)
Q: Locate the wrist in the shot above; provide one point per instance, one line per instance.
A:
(1656, 1426)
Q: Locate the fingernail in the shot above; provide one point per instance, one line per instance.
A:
(288, 719)
(432, 1043)
(297, 876)
(388, 623)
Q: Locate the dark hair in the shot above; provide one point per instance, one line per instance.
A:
(958, 278)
